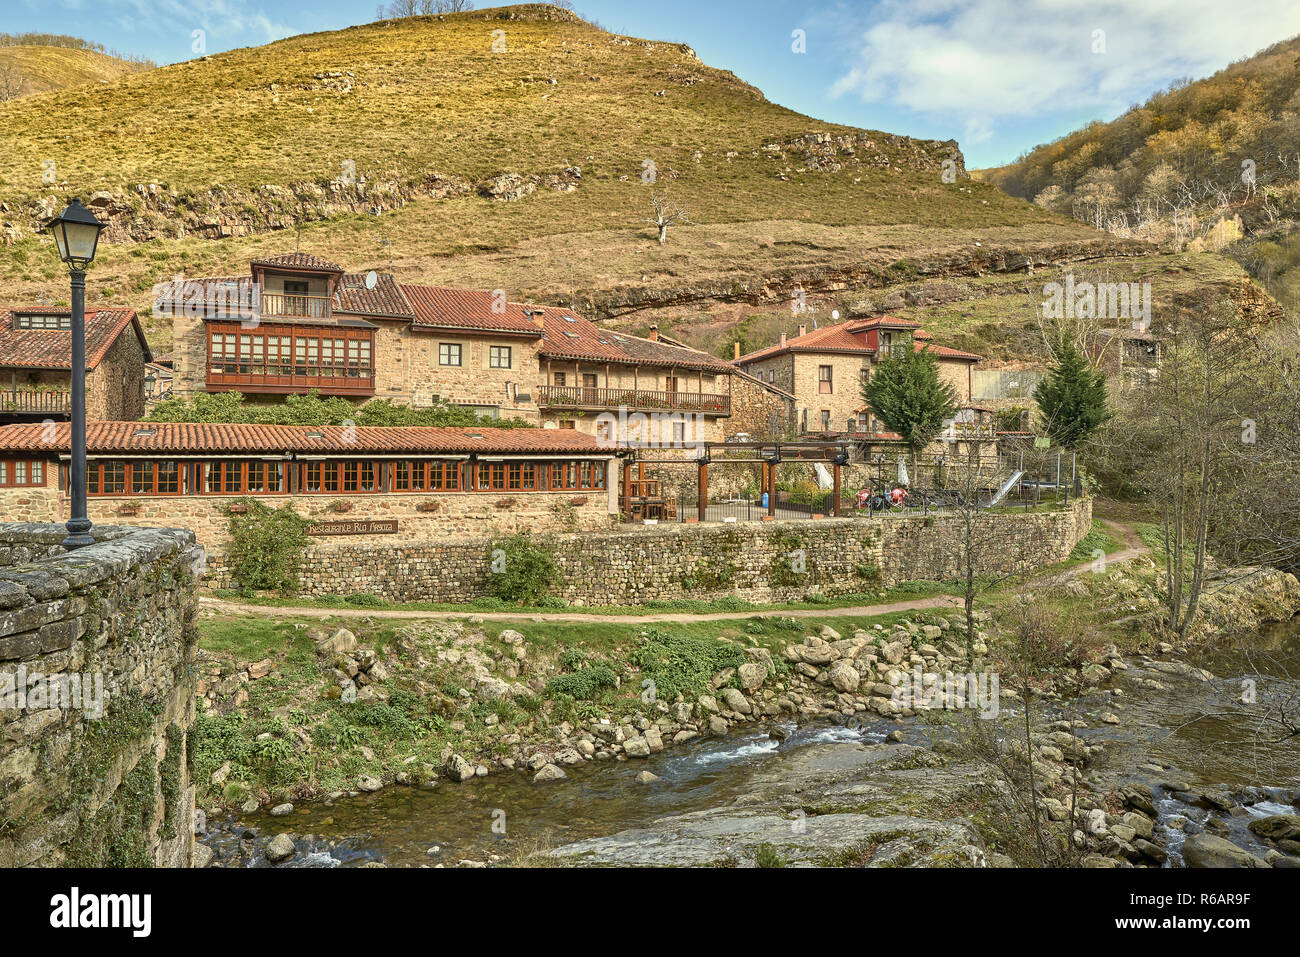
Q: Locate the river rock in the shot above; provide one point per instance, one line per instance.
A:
(1206, 850)
(457, 768)
(735, 700)
(280, 848)
(280, 810)
(550, 772)
(844, 677)
(342, 642)
(511, 637)
(1277, 827)
(369, 784)
(645, 777)
(1140, 823)
(637, 747)
(202, 855)
(892, 652)
(717, 724)
(752, 675)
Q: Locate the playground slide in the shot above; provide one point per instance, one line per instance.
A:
(824, 478)
(1007, 487)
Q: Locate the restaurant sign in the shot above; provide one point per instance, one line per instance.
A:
(385, 527)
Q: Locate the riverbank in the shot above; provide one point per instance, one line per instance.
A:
(431, 705)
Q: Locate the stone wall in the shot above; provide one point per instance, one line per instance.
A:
(757, 410)
(756, 561)
(100, 777)
(420, 516)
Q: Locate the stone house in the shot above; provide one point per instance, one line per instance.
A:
(357, 485)
(36, 364)
(825, 369)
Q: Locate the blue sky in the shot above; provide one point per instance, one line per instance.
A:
(1000, 76)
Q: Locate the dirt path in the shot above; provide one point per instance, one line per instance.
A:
(1133, 548)
(854, 611)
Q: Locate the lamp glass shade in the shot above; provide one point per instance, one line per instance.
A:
(76, 233)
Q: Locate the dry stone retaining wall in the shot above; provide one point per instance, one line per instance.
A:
(770, 561)
(78, 789)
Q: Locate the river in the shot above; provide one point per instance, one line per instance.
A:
(708, 787)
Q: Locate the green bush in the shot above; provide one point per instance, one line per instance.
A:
(266, 545)
(582, 684)
(678, 664)
(521, 571)
(364, 599)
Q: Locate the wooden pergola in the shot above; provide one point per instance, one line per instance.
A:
(768, 455)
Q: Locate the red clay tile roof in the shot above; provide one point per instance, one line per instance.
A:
(440, 307)
(844, 337)
(52, 348)
(297, 261)
(227, 439)
(836, 338)
(570, 336)
(386, 299)
(943, 352)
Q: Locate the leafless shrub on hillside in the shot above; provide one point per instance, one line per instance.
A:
(12, 83)
(421, 8)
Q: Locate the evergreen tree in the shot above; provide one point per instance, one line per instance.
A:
(1072, 398)
(907, 395)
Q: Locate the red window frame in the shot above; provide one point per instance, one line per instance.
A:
(10, 468)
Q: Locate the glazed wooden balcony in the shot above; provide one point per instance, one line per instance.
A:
(36, 402)
(580, 397)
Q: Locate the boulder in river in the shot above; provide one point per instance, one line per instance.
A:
(280, 849)
(1206, 850)
(1277, 827)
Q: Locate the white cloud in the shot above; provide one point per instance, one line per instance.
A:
(227, 23)
(985, 60)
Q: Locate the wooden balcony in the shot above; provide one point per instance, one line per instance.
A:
(296, 305)
(36, 402)
(291, 380)
(580, 397)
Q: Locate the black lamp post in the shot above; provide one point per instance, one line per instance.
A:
(76, 233)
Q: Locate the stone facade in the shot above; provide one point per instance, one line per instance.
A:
(770, 561)
(81, 786)
(758, 410)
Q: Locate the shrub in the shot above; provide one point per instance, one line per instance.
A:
(364, 599)
(266, 545)
(683, 665)
(527, 570)
(582, 684)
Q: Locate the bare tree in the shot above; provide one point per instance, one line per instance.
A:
(12, 82)
(666, 213)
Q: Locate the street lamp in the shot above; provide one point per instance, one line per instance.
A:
(76, 233)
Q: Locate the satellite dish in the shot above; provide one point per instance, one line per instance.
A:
(371, 279)
(835, 314)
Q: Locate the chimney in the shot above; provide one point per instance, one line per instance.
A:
(538, 317)
(654, 334)
(803, 329)
(781, 341)
(735, 350)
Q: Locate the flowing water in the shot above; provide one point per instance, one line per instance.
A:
(1164, 741)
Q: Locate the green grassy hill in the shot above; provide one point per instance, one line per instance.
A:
(388, 143)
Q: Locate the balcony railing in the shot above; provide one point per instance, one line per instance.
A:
(36, 402)
(581, 397)
(296, 304)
